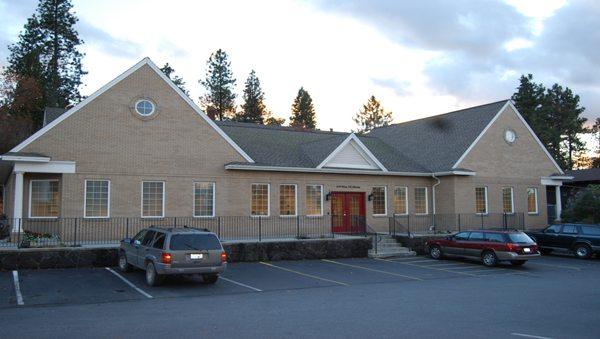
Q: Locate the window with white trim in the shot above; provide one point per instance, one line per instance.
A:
(507, 200)
(97, 198)
(379, 200)
(532, 200)
(421, 200)
(481, 203)
(400, 200)
(287, 200)
(314, 200)
(153, 199)
(204, 199)
(43, 199)
(260, 200)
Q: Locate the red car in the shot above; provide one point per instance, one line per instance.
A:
(490, 247)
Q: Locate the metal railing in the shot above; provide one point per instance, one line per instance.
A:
(448, 223)
(66, 232)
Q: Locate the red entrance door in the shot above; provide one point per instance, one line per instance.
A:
(348, 212)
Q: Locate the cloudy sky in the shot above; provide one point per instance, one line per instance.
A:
(418, 57)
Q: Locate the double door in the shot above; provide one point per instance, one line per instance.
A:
(348, 212)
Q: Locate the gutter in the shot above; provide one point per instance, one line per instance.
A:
(342, 171)
(433, 194)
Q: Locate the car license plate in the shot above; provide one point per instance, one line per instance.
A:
(527, 250)
(196, 256)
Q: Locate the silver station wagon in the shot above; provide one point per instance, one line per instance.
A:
(173, 251)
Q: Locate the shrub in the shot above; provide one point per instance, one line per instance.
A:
(584, 206)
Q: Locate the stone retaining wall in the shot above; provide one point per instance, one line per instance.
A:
(41, 258)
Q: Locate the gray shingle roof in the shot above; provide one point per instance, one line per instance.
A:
(426, 145)
(51, 113)
(438, 142)
(591, 174)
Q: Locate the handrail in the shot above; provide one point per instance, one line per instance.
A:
(370, 231)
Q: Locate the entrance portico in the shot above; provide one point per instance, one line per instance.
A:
(23, 163)
(556, 182)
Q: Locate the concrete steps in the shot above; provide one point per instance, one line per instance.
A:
(388, 247)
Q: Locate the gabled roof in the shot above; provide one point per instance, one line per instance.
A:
(279, 146)
(143, 62)
(438, 142)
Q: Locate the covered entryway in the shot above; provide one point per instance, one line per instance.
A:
(348, 212)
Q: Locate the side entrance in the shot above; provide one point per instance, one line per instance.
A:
(348, 212)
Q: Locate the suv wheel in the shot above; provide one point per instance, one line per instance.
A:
(210, 278)
(489, 258)
(582, 251)
(435, 252)
(152, 278)
(124, 266)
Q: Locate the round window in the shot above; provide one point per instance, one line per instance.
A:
(510, 136)
(144, 107)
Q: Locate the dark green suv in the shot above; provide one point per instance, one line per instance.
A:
(173, 251)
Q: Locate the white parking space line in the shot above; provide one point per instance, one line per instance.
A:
(18, 288)
(426, 260)
(531, 262)
(456, 264)
(142, 292)
(240, 284)
(372, 270)
(304, 274)
(426, 266)
(529, 335)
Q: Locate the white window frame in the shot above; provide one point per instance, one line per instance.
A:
(512, 200)
(405, 200)
(295, 201)
(31, 189)
(485, 196)
(322, 202)
(268, 200)
(164, 186)
(214, 200)
(85, 199)
(384, 200)
(535, 194)
(426, 200)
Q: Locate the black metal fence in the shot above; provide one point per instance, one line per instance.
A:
(82, 231)
(447, 223)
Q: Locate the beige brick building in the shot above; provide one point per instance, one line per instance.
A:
(139, 147)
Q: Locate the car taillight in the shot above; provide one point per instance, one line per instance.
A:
(166, 258)
(223, 257)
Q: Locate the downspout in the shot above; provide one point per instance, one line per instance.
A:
(433, 197)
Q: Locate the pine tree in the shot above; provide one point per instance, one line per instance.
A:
(253, 108)
(372, 115)
(47, 55)
(596, 132)
(563, 109)
(531, 101)
(303, 111)
(219, 101)
(178, 81)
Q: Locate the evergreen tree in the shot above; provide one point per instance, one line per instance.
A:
(372, 115)
(562, 108)
(274, 121)
(47, 55)
(178, 81)
(596, 133)
(253, 108)
(303, 111)
(219, 101)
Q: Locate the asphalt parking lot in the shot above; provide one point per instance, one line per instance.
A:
(37, 291)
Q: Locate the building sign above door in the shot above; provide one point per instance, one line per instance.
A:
(347, 186)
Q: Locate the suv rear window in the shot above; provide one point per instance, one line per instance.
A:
(520, 238)
(183, 242)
